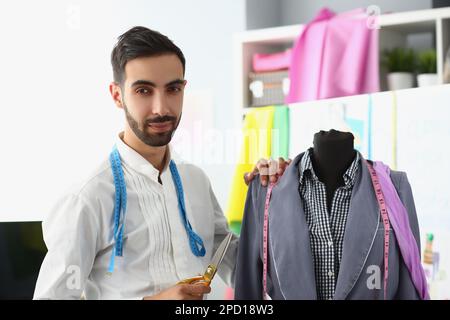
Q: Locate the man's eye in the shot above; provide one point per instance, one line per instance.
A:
(144, 91)
(174, 89)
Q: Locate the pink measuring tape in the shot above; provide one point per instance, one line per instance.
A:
(265, 237)
(384, 216)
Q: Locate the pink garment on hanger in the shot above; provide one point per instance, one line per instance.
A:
(335, 55)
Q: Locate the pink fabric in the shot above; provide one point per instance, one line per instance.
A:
(271, 62)
(334, 56)
(398, 217)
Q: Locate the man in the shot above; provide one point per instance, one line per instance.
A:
(159, 210)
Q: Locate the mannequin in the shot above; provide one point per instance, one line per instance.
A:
(333, 153)
(307, 255)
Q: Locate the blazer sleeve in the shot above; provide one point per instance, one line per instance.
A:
(249, 264)
(406, 289)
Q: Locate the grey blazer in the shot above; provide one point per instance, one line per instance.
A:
(290, 266)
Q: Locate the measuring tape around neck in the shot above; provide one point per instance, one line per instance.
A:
(120, 206)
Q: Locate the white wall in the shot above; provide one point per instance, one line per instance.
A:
(57, 118)
(263, 13)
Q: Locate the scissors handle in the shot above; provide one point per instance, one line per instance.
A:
(210, 273)
(197, 279)
(204, 279)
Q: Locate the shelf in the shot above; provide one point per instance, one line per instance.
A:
(412, 27)
(277, 35)
(412, 17)
(395, 29)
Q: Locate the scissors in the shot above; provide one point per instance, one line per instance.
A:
(211, 270)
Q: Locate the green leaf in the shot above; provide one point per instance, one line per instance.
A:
(426, 62)
(399, 60)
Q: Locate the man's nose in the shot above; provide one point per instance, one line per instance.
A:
(160, 104)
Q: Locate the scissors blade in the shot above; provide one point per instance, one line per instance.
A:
(214, 264)
(221, 250)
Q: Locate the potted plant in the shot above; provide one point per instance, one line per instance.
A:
(400, 64)
(426, 68)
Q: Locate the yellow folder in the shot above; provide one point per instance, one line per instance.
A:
(257, 144)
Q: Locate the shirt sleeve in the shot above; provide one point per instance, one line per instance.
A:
(71, 236)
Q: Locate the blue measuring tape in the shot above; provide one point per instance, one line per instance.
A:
(194, 239)
(120, 206)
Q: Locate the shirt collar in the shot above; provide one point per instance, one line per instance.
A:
(133, 159)
(306, 169)
(350, 174)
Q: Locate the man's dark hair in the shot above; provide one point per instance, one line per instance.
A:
(141, 42)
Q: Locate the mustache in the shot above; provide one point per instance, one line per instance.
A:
(160, 119)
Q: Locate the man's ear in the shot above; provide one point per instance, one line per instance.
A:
(116, 94)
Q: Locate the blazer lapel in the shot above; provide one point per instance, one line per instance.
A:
(290, 249)
(360, 231)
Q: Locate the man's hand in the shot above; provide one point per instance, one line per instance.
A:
(182, 292)
(268, 170)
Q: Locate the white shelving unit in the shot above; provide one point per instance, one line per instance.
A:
(394, 31)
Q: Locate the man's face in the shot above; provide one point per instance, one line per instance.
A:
(152, 97)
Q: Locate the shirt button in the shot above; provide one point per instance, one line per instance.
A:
(330, 273)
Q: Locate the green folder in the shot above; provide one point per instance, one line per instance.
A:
(280, 133)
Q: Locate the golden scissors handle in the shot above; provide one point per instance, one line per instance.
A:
(193, 280)
(204, 279)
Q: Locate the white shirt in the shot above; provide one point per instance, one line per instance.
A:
(156, 254)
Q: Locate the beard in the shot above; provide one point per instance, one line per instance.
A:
(152, 139)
